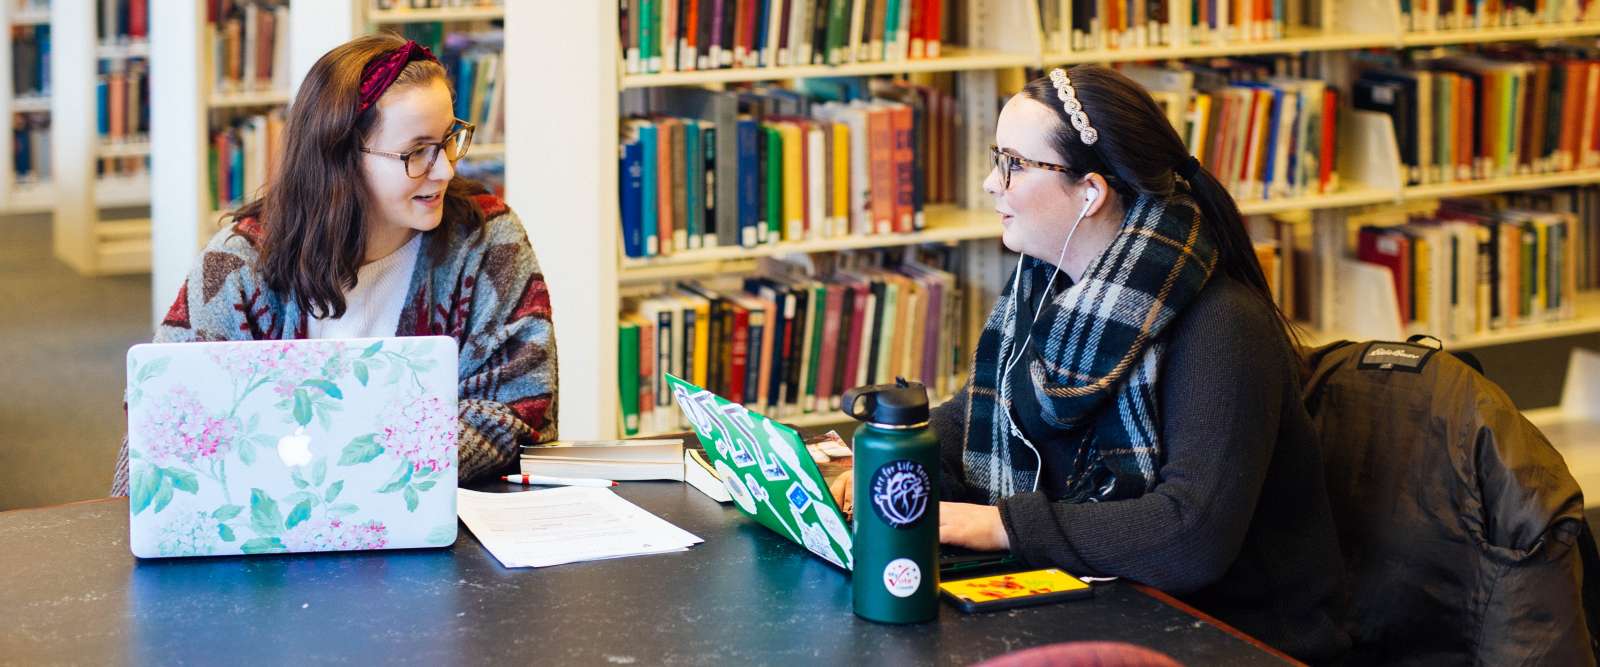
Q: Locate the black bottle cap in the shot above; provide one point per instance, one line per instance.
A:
(899, 404)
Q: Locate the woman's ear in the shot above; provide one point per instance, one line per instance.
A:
(1096, 193)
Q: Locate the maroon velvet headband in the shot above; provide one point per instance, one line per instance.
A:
(384, 68)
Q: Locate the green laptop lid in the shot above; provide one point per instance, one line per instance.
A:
(768, 472)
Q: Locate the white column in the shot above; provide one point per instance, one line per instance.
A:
(73, 140)
(561, 176)
(315, 27)
(178, 134)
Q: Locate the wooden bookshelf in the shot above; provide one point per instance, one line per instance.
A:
(18, 197)
(133, 148)
(1586, 321)
(244, 99)
(1502, 184)
(1500, 34)
(1297, 40)
(946, 224)
(36, 103)
(29, 198)
(29, 16)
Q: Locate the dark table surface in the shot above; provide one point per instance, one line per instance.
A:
(70, 592)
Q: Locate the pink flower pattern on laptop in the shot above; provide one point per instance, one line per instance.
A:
(186, 442)
(421, 434)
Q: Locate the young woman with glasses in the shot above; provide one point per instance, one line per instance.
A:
(1134, 403)
(364, 230)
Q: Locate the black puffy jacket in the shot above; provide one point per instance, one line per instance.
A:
(1459, 524)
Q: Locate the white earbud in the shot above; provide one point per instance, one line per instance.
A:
(1090, 196)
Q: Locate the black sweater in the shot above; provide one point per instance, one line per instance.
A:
(1238, 524)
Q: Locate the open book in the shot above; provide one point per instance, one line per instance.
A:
(606, 459)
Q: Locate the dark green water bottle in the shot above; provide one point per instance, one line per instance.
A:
(896, 574)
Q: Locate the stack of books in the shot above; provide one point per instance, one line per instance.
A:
(1263, 134)
(1472, 266)
(1582, 204)
(123, 21)
(785, 343)
(1282, 262)
(1490, 113)
(30, 60)
(1079, 25)
(618, 460)
(1424, 15)
(703, 169)
(30, 147)
(249, 44)
(471, 55)
(686, 35)
(241, 156)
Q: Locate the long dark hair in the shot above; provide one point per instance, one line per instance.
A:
(1137, 152)
(314, 207)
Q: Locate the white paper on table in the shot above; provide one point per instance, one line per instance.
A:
(565, 525)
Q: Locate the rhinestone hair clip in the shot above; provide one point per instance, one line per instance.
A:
(1074, 108)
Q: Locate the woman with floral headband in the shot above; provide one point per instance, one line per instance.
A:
(1133, 409)
(364, 230)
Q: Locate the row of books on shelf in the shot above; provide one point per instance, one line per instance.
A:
(241, 155)
(787, 342)
(1261, 131)
(1425, 15)
(1471, 266)
(1078, 25)
(123, 21)
(30, 60)
(684, 35)
(1490, 113)
(704, 169)
(122, 100)
(249, 44)
(30, 147)
(471, 55)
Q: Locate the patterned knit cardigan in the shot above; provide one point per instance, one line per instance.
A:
(482, 287)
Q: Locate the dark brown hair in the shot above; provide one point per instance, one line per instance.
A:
(1137, 152)
(314, 207)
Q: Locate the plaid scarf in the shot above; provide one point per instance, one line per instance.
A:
(1085, 383)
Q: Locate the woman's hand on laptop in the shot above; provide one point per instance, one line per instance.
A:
(843, 493)
(972, 526)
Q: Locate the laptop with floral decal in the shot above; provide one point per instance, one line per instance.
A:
(291, 446)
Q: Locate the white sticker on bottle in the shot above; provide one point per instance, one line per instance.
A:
(902, 577)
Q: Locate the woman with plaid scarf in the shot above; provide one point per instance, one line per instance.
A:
(1133, 409)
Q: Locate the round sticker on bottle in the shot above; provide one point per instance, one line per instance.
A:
(900, 492)
(902, 577)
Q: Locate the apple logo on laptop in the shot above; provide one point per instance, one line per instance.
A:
(295, 448)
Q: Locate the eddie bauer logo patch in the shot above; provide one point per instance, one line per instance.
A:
(1395, 357)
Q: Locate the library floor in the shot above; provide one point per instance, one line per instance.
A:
(62, 343)
(63, 339)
